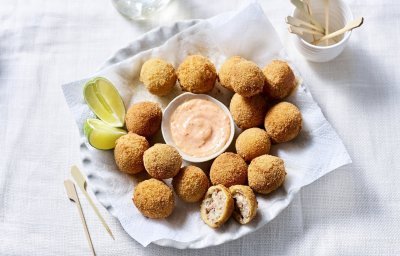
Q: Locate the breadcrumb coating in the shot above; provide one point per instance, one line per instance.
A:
(283, 122)
(228, 169)
(190, 184)
(162, 161)
(197, 74)
(245, 203)
(252, 143)
(280, 79)
(217, 206)
(226, 70)
(243, 76)
(266, 173)
(144, 118)
(128, 153)
(158, 76)
(248, 112)
(154, 199)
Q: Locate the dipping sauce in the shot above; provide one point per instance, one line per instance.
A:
(200, 127)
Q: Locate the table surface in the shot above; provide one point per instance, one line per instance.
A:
(354, 210)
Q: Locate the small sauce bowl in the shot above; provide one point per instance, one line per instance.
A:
(166, 127)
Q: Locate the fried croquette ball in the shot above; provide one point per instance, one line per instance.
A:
(154, 199)
(217, 206)
(243, 76)
(245, 203)
(197, 74)
(190, 184)
(228, 169)
(248, 112)
(128, 153)
(144, 118)
(252, 143)
(158, 76)
(225, 72)
(280, 79)
(283, 122)
(162, 161)
(266, 173)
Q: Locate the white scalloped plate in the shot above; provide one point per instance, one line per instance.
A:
(184, 228)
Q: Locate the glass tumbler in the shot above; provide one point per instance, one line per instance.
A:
(139, 9)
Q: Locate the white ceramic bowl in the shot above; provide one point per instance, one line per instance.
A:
(339, 15)
(166, 131)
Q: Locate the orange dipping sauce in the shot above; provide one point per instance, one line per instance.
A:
(200, 127)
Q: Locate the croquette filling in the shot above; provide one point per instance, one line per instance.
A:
(242, 209)
(214, 205)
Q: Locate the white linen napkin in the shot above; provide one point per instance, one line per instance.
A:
(248, 33)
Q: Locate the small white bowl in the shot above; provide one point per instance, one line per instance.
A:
(339, 15)
(166, 131)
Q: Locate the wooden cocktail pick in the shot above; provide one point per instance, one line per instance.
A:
(326, 10)
(80, 180)
(298, 22)
(301, 31)
(349, 26)
(300, 6)
(307, 7)
(73, 196)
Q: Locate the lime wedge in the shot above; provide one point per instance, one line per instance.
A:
(105, 101)
(100, 135)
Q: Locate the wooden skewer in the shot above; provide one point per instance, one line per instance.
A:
(298, 22)
(326, 3)
(299, 5)
(81, 182)
(301, 31)
(73, 196)
(306, 4)
(349, 26)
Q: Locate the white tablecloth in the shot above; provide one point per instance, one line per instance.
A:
(355, 210)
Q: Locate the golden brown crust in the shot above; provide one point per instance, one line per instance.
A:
(226, 71)
(144, 118)
(251, 200)
(197, 74)
(248, 112)
(162, 161)
(227, 207)
(190, 184)
(158, 76)
(243, 76)
(280, 79)
(154, 199)
(252, 143)
(128, 153)
(266, 173)
(228, 169)
(283, 122)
